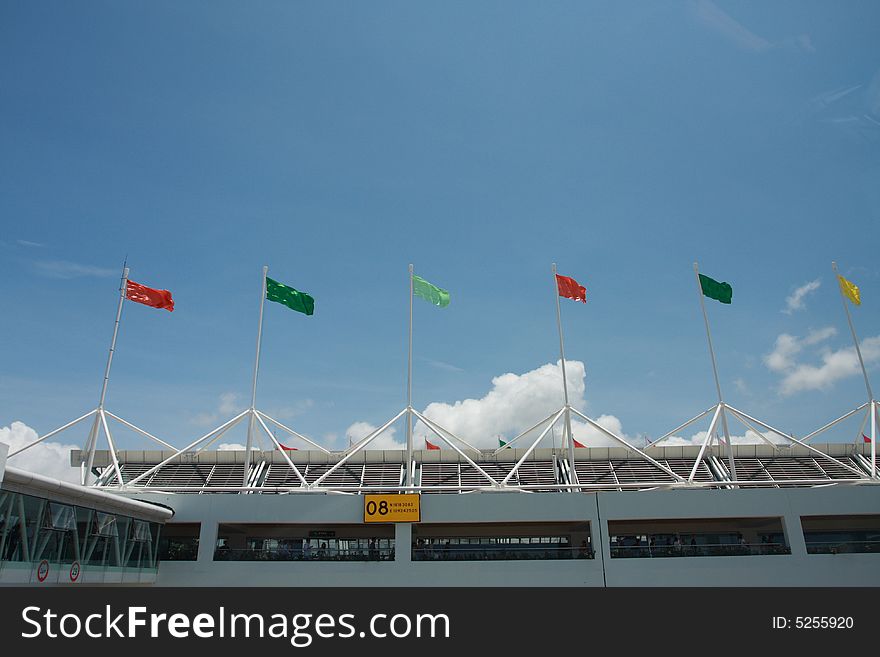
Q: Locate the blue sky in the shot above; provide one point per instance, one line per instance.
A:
(338, 142)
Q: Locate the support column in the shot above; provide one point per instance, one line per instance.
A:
(207, 541)
(794, 534)
(402, 542)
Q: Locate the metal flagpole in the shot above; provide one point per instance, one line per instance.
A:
(252, 410)
(92, 441)
(122, 290)
(855, 338)
(715, 373)
(409, 408)
(567, 437)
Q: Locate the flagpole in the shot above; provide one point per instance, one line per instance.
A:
(122, 290)
(715, 372)
(92, 440)
(409, 443)
(564, 378)
(252, 410)
(854, 337)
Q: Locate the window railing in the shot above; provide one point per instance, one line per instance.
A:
(703, 550)
(843, 547)
(506, 552)
(179, 549)
(315, 554)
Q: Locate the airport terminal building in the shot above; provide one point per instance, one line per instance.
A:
(792, 517)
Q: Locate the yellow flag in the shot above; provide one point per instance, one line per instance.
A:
(850, 290)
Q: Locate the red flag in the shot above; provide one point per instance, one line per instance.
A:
(148, 296)
(577, 444)
(286, 448)
(430, 445)
(571, 289)
(865, 438)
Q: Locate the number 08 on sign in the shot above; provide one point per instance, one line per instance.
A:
(392, 508)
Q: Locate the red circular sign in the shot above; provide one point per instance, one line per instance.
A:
(43, 570)
(74, 571)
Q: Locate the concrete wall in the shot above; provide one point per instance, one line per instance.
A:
(796, 569)
(789, 504)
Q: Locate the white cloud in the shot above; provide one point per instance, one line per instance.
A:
(834, 364)
(514, 403)
(227, 406)
(749, 438)
(51, 459)
(782, 358)
(715, 18)
(64, 269)
(588, 435)
(289, 411)
(234, 447)
(820, 335)
(796, 300)
(228, 403)
(385, 440)
(440, 365)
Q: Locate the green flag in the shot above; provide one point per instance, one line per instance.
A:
(293, 299)
(428, 292)
(501, 444)
(714, 290)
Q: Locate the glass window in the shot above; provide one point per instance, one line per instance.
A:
(60, 517)
(140, 532)
(105, 525)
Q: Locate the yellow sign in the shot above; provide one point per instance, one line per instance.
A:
(392, 508)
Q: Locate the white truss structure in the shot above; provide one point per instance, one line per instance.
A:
(450, 471)
(719, 411)
(484, 470)
(100, 426)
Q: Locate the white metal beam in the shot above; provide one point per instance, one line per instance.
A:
(293, 433)
(532, 447)
(53, 432)
(358, 447)
(283, 452)
(139, 430)
(812, 449)
(434, 427)
(623, 442)
(188, 448)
